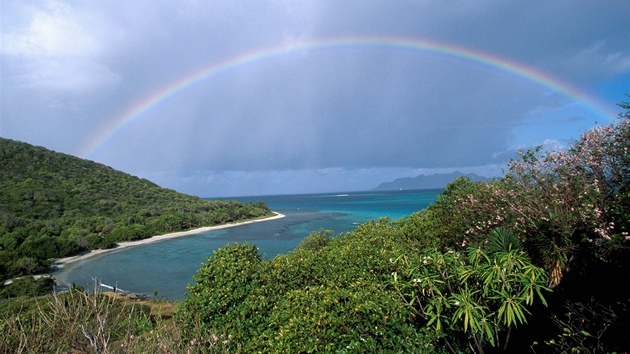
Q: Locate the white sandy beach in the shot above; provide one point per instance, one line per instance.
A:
(60, 263)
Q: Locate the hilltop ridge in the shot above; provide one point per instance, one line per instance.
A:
(435, 181)
(54, 205)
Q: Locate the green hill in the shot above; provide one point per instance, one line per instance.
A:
(54, 205)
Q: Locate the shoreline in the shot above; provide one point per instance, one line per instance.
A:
(62, 262)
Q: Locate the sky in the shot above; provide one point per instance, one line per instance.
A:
(236, 98)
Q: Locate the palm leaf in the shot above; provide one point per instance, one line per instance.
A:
(502, 240)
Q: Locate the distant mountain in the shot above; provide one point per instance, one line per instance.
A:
(434, 181)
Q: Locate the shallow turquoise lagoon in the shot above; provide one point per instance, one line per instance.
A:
(168, 266)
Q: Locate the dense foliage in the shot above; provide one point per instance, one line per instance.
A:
(475, 295)
(27, 286)
(315, 299)
(54, 205)
(372, 290)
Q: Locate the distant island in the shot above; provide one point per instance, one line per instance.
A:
(435, 181)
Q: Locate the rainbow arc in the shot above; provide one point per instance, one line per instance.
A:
(152, 101)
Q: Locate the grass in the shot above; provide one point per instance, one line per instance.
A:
(81, 322)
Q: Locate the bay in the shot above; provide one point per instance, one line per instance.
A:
(166, 267)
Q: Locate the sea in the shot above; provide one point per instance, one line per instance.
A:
(164, 268)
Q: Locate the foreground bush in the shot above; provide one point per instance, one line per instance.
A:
(475, 296)
(325, 296)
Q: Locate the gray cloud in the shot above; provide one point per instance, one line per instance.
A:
(70, 68)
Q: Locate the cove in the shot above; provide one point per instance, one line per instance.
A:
(167, 266)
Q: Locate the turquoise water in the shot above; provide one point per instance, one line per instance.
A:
(168, 266)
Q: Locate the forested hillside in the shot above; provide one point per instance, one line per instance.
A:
(54, 205)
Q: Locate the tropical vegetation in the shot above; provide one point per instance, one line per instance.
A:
(536, 261)
(54, 205)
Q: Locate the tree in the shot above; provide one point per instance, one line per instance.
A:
(222, 285)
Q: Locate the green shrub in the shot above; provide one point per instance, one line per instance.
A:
(315, 241)
(27, 287)
(329, 294)
(473, 296)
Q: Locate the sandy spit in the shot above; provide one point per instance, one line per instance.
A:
(60, 263)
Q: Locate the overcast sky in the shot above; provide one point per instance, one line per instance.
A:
(327, 96)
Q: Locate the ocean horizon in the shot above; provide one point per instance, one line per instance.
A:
(166, 267)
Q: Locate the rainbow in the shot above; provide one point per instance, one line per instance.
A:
(150, 102)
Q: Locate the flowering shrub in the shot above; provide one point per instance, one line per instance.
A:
(561, 203)
(565, 200)
(463, 213)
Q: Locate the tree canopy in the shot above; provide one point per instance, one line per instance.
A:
(54, 205)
